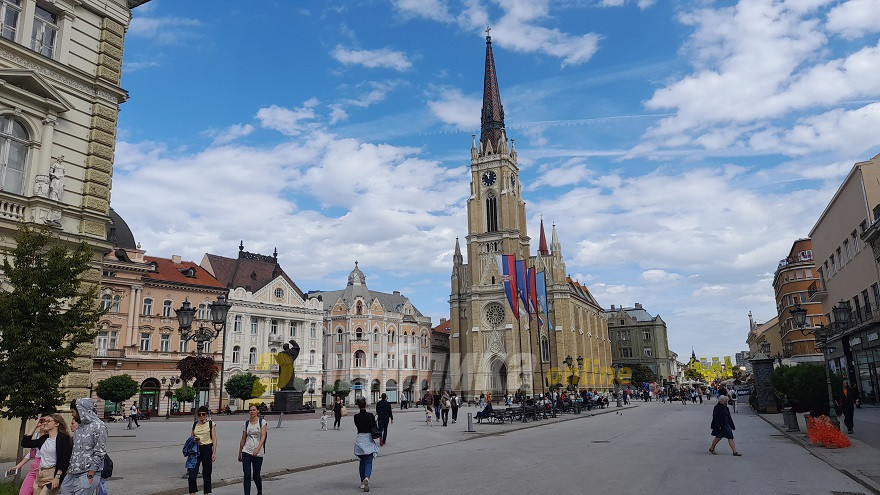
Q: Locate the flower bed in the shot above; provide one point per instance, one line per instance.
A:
(822, 432)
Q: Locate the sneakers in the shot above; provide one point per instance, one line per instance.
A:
(365, 485)
(362, 485)
(381, 444)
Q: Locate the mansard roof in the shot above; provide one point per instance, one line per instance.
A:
(357, 288)
(250, 270)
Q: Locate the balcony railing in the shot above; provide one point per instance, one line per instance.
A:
(110, 353)
(816, 291)
(275, 337)
(11, 210)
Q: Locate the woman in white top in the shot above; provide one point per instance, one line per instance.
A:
(251, 450)
(55, 447)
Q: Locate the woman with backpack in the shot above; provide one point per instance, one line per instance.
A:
(365, 447)
(252, 449)
(205, 435)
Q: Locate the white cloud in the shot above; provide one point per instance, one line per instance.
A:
(855, 18)
(385, 58)
(454, 108)
(136, 66)
(642, 4)
(429, 9)
(566, 174)
(287, 121)
(337, 113)
(163, 30)
(229, 134)
(659, 276)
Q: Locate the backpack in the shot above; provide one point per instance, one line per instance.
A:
(107, 470)
(260, 422)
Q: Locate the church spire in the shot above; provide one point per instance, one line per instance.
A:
(554, 242)
(492, 116)
(542, 246)
(456, 257)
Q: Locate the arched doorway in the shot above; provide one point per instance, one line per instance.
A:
(149, 397)
(374, 390)
(357, 387)
(409, 389)
(391, 390)
(497, 377)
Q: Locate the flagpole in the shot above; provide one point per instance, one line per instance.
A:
(522, 377)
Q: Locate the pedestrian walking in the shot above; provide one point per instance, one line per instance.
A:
(55, 448)
(722, 425)
(337, 413)
(847, 403)
(732, 399)
(384, 416)
(89, 449)
(27, 485)
(205, 435)
(365, 447)
(453, 403)
(444, 407)
(252, 449)
(437, 407)
(133, 415)
(429, 415)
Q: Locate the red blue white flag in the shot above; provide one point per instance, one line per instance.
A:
(507, 269)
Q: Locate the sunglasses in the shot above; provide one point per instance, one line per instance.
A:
(203, 414)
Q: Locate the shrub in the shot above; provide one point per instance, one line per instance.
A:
(804, 387)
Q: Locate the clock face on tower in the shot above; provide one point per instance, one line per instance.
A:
(488, 178)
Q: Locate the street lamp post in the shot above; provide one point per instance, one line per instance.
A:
(171, 380)
(824, 336)
(203, 334)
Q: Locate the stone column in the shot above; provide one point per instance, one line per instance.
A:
(763, 368)
(41, 184)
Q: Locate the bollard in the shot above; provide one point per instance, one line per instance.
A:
(280, 417)
(470, 422)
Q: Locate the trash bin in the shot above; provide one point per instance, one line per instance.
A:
(790, 420)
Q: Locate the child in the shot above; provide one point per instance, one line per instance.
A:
(429, 416)
(324, 420)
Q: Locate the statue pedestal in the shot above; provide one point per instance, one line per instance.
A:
(288, 401)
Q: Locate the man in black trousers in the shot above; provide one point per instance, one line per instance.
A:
(383, 416)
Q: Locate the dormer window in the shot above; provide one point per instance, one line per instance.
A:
(189, 272)
(154, 267)
(279, 293)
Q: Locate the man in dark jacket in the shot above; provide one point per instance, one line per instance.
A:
(383, 416)
(437, 404)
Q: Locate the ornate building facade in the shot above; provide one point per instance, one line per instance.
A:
(139, 335)
(374, 341)
(490, 350)
(637, 337)
(268, 309)
(60, 68)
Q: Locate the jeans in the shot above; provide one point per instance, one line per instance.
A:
(337, 417)
(78, 484)
(454, 414)
(383, 427)
(365, 468)
(205, 453)
(249, 462)
(134, 418)
(445, 414)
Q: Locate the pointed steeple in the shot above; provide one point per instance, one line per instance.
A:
(457, 258)
(554, 242)
(542, 245)
(492, 116)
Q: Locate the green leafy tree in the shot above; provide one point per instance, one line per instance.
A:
(641, 374)
(245, 386)
(48, 308)
(692, 374)
(341, 388)
(805, 388)
(184, 394)
(117, 388)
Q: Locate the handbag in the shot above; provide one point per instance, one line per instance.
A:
(376, 432)
(344, 411)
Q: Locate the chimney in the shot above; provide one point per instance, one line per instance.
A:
(638, 306)
(442, 320)
(612, 307)
(397, 293)
(175, 258)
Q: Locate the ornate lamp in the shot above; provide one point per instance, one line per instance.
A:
(799, 315)
(580, 361)
(185, 316)
(219, 310)
(842, 312)
(765, 348)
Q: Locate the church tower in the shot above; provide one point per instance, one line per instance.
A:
(487, 345)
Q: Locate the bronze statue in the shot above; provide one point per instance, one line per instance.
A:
(285, 360)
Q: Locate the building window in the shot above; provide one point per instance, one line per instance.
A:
(114, 336)
(292, 329)
(339, 362)
(254, 326)
(391, 337)
(148, 307)
(252, 356)
(491, 213)
(13, 155)
(9, 13)
(359, 359)
(391, 364)
(405, 338)
(236, 325)
(165, 343)
(855, 242)
(360, 308)
(203, 311)
(648, 352)
(45, 31)
(545, 350)
(236, 355)
(413, 356)
(338, 335)
(359, 334)
(115, 307)
(312, 355)
(184, 345)
(424, 362)
(647, 335)
(273, 327)
(846, 249)
(313, 330)
(167, 307)
(424, 340)
(626, 352)
(376, 335)
(105, 302)
(375, 360)
(145, 342)
(279, 293)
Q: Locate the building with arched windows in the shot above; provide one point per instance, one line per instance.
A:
(491, 350)
(374, 342)
(268, 310)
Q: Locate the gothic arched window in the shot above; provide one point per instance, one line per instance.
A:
(491, 213)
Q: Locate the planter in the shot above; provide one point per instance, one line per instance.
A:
(802, 421)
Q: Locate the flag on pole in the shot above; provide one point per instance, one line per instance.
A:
(507, 269)
(533, 294)
(522, 285)
(541, 287)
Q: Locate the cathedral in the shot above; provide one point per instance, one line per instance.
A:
(491, 350)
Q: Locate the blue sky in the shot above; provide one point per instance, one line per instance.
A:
(679, 146)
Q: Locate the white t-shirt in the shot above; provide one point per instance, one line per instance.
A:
(253, 438)
(48, 453)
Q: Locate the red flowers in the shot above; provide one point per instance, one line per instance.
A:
(822, 432)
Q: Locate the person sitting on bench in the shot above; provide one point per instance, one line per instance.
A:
(485, 413)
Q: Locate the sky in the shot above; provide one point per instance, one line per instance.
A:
(679, 147)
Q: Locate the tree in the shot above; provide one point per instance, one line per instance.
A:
(692, 374)
(244, 386)
(341, 388)
(117, 388)
(641, 374)
(48, 308)
(805, 387)
(184, 394)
